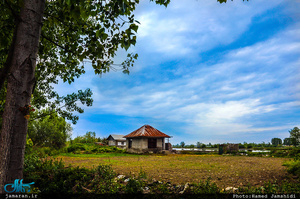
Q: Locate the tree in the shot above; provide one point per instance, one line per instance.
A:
(198, 144)
(49, 131)
(182, 144)
(89, 137)
(295, 136)
(287, 141)
(71, 32)
(58, 37)
(276, 141)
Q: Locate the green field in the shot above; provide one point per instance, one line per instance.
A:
(225, 171)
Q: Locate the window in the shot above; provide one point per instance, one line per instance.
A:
(152, 143)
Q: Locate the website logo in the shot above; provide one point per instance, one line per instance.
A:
(18, 186)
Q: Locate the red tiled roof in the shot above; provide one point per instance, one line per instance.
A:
(146, 131)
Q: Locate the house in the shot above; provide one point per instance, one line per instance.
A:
(116, 140)
(147, 139)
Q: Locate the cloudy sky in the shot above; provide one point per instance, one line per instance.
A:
(206, 72)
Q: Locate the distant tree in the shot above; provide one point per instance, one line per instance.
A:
(192, 146)
(276, 141)
(182, 144)
(203, 146)
(287, 141)
(49, 131)
(295, 136)
(89, 137)
(249, 145)
(198, 144)
(103, 140)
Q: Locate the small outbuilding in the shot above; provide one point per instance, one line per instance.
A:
(147, 139)
(116, 140)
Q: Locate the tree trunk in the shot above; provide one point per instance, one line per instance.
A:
(20, 82)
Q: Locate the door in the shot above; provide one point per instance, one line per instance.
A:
(129, 143)
(152, 143)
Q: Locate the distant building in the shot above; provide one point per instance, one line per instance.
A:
(147, 139)
(228, 148)
(116, 140)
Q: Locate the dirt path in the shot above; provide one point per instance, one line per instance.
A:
(178, 169)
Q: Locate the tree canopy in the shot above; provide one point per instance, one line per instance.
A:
(276, 141)
(295, 136)
(50, 131)
(73, 33)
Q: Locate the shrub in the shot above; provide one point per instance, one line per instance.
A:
(293, 167)
(204, 188)
(76, 147)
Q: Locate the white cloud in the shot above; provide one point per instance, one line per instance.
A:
(216, 97)
(189, 27)
(212, 99)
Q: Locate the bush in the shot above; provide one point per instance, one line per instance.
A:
(293, 167)
(204, 188)
(76, 147)
(257, 154)
(289, 153)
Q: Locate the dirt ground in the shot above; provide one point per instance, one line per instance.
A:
(225, 171)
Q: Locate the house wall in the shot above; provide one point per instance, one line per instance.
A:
(161, 143)
(140, 145)
(121, 143)
(111, 143)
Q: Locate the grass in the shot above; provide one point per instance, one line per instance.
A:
(95, 155)
(225, 171)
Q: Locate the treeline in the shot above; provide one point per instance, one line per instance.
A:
(294, 140)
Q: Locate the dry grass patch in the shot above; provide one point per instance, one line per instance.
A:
(178, 169)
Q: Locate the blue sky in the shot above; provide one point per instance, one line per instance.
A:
(206, 72)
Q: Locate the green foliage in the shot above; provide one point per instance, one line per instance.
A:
(287, 141)
(182, 144)
(49, 131)
(295, 136)
(72, 34)
(276, 141)
(51, 176)
(134, 186)
(206, 187)
(272, 188)
(89, 137)
(62, 105)
(36, 164)
(293, 167)
(288, 152)
(78, 148)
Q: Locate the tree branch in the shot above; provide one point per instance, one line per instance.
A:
(55, 43)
